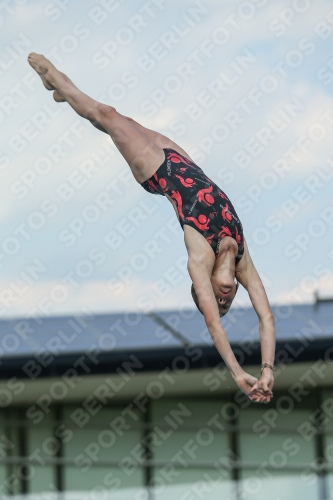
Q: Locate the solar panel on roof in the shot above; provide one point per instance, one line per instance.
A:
(64, 335)
(161, 330)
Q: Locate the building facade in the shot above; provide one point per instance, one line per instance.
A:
(142, 407)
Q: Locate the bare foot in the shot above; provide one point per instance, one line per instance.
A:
(41, 65)
(58, 97)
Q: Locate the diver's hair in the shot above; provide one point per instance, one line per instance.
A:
(196, 300)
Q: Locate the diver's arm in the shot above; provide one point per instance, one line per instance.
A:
(261, 305)
(250, 279)
(208, 305)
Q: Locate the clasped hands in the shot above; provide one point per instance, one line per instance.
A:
(259, 391)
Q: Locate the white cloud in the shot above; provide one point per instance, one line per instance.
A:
(306, 289)
(54, 298)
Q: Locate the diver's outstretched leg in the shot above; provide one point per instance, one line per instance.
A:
(139, 150)
(159, 139)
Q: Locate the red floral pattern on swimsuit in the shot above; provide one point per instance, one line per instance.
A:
(200, 202)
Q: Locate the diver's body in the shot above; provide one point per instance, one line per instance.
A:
(205, 213)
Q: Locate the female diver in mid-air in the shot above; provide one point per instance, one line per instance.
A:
(213, 233)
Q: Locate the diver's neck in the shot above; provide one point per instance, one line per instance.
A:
(227, 251)
(225, 262)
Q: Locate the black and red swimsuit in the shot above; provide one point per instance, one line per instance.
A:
(200, 202)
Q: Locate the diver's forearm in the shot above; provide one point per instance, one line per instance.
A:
(267, 340)
(223, 346)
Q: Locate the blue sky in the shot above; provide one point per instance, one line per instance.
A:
(244, 87)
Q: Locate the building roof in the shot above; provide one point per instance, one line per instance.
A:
(156, 337)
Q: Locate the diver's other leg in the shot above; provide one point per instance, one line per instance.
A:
(140, 152)
(43, 66)
(159, 139)
(60, 98)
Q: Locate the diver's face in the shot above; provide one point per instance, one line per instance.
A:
(225, 292)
